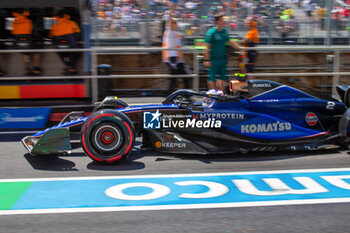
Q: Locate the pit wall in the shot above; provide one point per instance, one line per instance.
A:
(150, 63)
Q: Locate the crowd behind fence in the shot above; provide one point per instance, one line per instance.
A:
(277, 19)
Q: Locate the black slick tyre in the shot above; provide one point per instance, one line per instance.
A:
(108, 136)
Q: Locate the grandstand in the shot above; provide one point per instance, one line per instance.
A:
(298, 30)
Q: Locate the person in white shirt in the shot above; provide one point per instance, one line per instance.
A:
(174, 58)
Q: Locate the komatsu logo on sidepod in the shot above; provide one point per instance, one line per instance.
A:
(264, 128)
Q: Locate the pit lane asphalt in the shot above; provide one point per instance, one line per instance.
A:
(16, 163)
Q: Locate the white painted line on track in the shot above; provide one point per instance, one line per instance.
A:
(177, 175)
(106, 193)
(175, 207)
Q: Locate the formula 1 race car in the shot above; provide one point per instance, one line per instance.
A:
(257, 115)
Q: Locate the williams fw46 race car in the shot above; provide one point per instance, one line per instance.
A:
(256, 116)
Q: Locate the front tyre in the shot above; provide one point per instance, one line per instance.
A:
(107, 136)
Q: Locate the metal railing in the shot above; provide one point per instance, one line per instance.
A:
(336, 50)
(108, 50)
(335, 73)
(272, 31)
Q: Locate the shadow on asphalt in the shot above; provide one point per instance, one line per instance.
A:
(126, 165)
(122, 166)
(248, 157)
(50, 163)
(59, 163)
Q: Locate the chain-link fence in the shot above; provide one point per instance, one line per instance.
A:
(301, 22)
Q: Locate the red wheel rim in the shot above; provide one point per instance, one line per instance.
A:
(107, 137)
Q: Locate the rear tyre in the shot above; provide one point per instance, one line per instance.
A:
(344, 126)
(108, 136)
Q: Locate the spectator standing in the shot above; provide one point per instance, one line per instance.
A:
(251, 39)
(215, 55)
(116, 25)
(321, 13)
(308, 8)
(66, 34)
(174, 58)
(152, 5)
(22, 32)
(117, 9)
(336, 17)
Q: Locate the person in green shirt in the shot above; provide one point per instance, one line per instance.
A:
(215, 55)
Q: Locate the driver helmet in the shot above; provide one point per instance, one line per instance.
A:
(207, 101)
